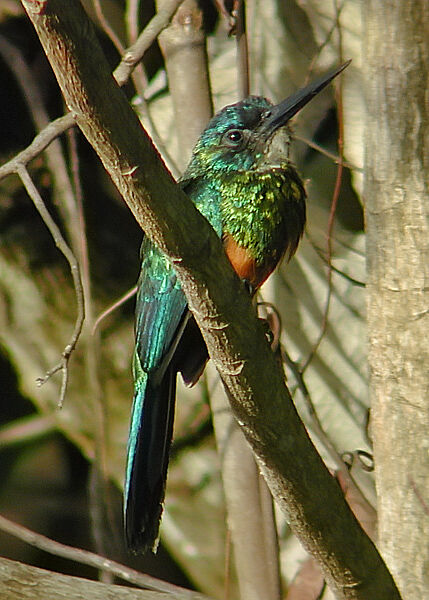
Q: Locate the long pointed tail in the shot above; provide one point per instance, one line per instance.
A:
(149, 442)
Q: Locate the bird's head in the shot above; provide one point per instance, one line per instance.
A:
(239, 137)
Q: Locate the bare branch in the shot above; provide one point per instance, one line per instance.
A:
(135, 52)
(113, 307)
(40, 143)
(334, 203)
(334, 157)
(75, 271)
(108, 30)
(132, 8)
(25, 429)
(183, 45)
(94, 560)
(26, 583)
(131, 58)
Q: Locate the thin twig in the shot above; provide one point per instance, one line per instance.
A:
(26, 429)
(75, 271)
(100, 499)
(49, 135)
(113, 307)
(335, 269)
(315, 422)
(134, 53)
(299, 377)
(105, 25)
(131, 57)
(334, 203)
(40, 143)
(273, 321)
(325, 41)
(316, 426)
(334, 157)
(94, 560)
(56, 162)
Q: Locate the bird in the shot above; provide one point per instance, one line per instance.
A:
(241, 178)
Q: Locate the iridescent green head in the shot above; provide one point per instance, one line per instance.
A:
(231, 141)
(239, 136)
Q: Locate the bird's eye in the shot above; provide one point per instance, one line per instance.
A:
(233, 138)
(234, 135)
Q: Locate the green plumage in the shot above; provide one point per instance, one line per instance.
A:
(241, 179)
(261, 210)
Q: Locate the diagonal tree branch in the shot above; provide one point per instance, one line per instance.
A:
(26, 583)
(261, 403)
(95, 560)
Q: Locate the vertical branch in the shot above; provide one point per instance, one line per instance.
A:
(134, 54)
(132, 8)
(184, 47)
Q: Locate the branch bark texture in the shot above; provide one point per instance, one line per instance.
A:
(294, 471)
(27, 583)
(397, 213)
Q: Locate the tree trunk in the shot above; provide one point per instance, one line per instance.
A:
(396, 194)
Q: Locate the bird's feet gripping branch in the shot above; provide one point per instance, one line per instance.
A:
(241, 179)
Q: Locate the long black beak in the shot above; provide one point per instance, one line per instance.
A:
(281, 113)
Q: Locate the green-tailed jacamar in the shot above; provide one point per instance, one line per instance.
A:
(241, 179)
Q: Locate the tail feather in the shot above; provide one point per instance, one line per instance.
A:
(149, 443)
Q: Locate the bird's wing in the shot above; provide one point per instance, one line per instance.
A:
(160, 309)
(161, 314)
